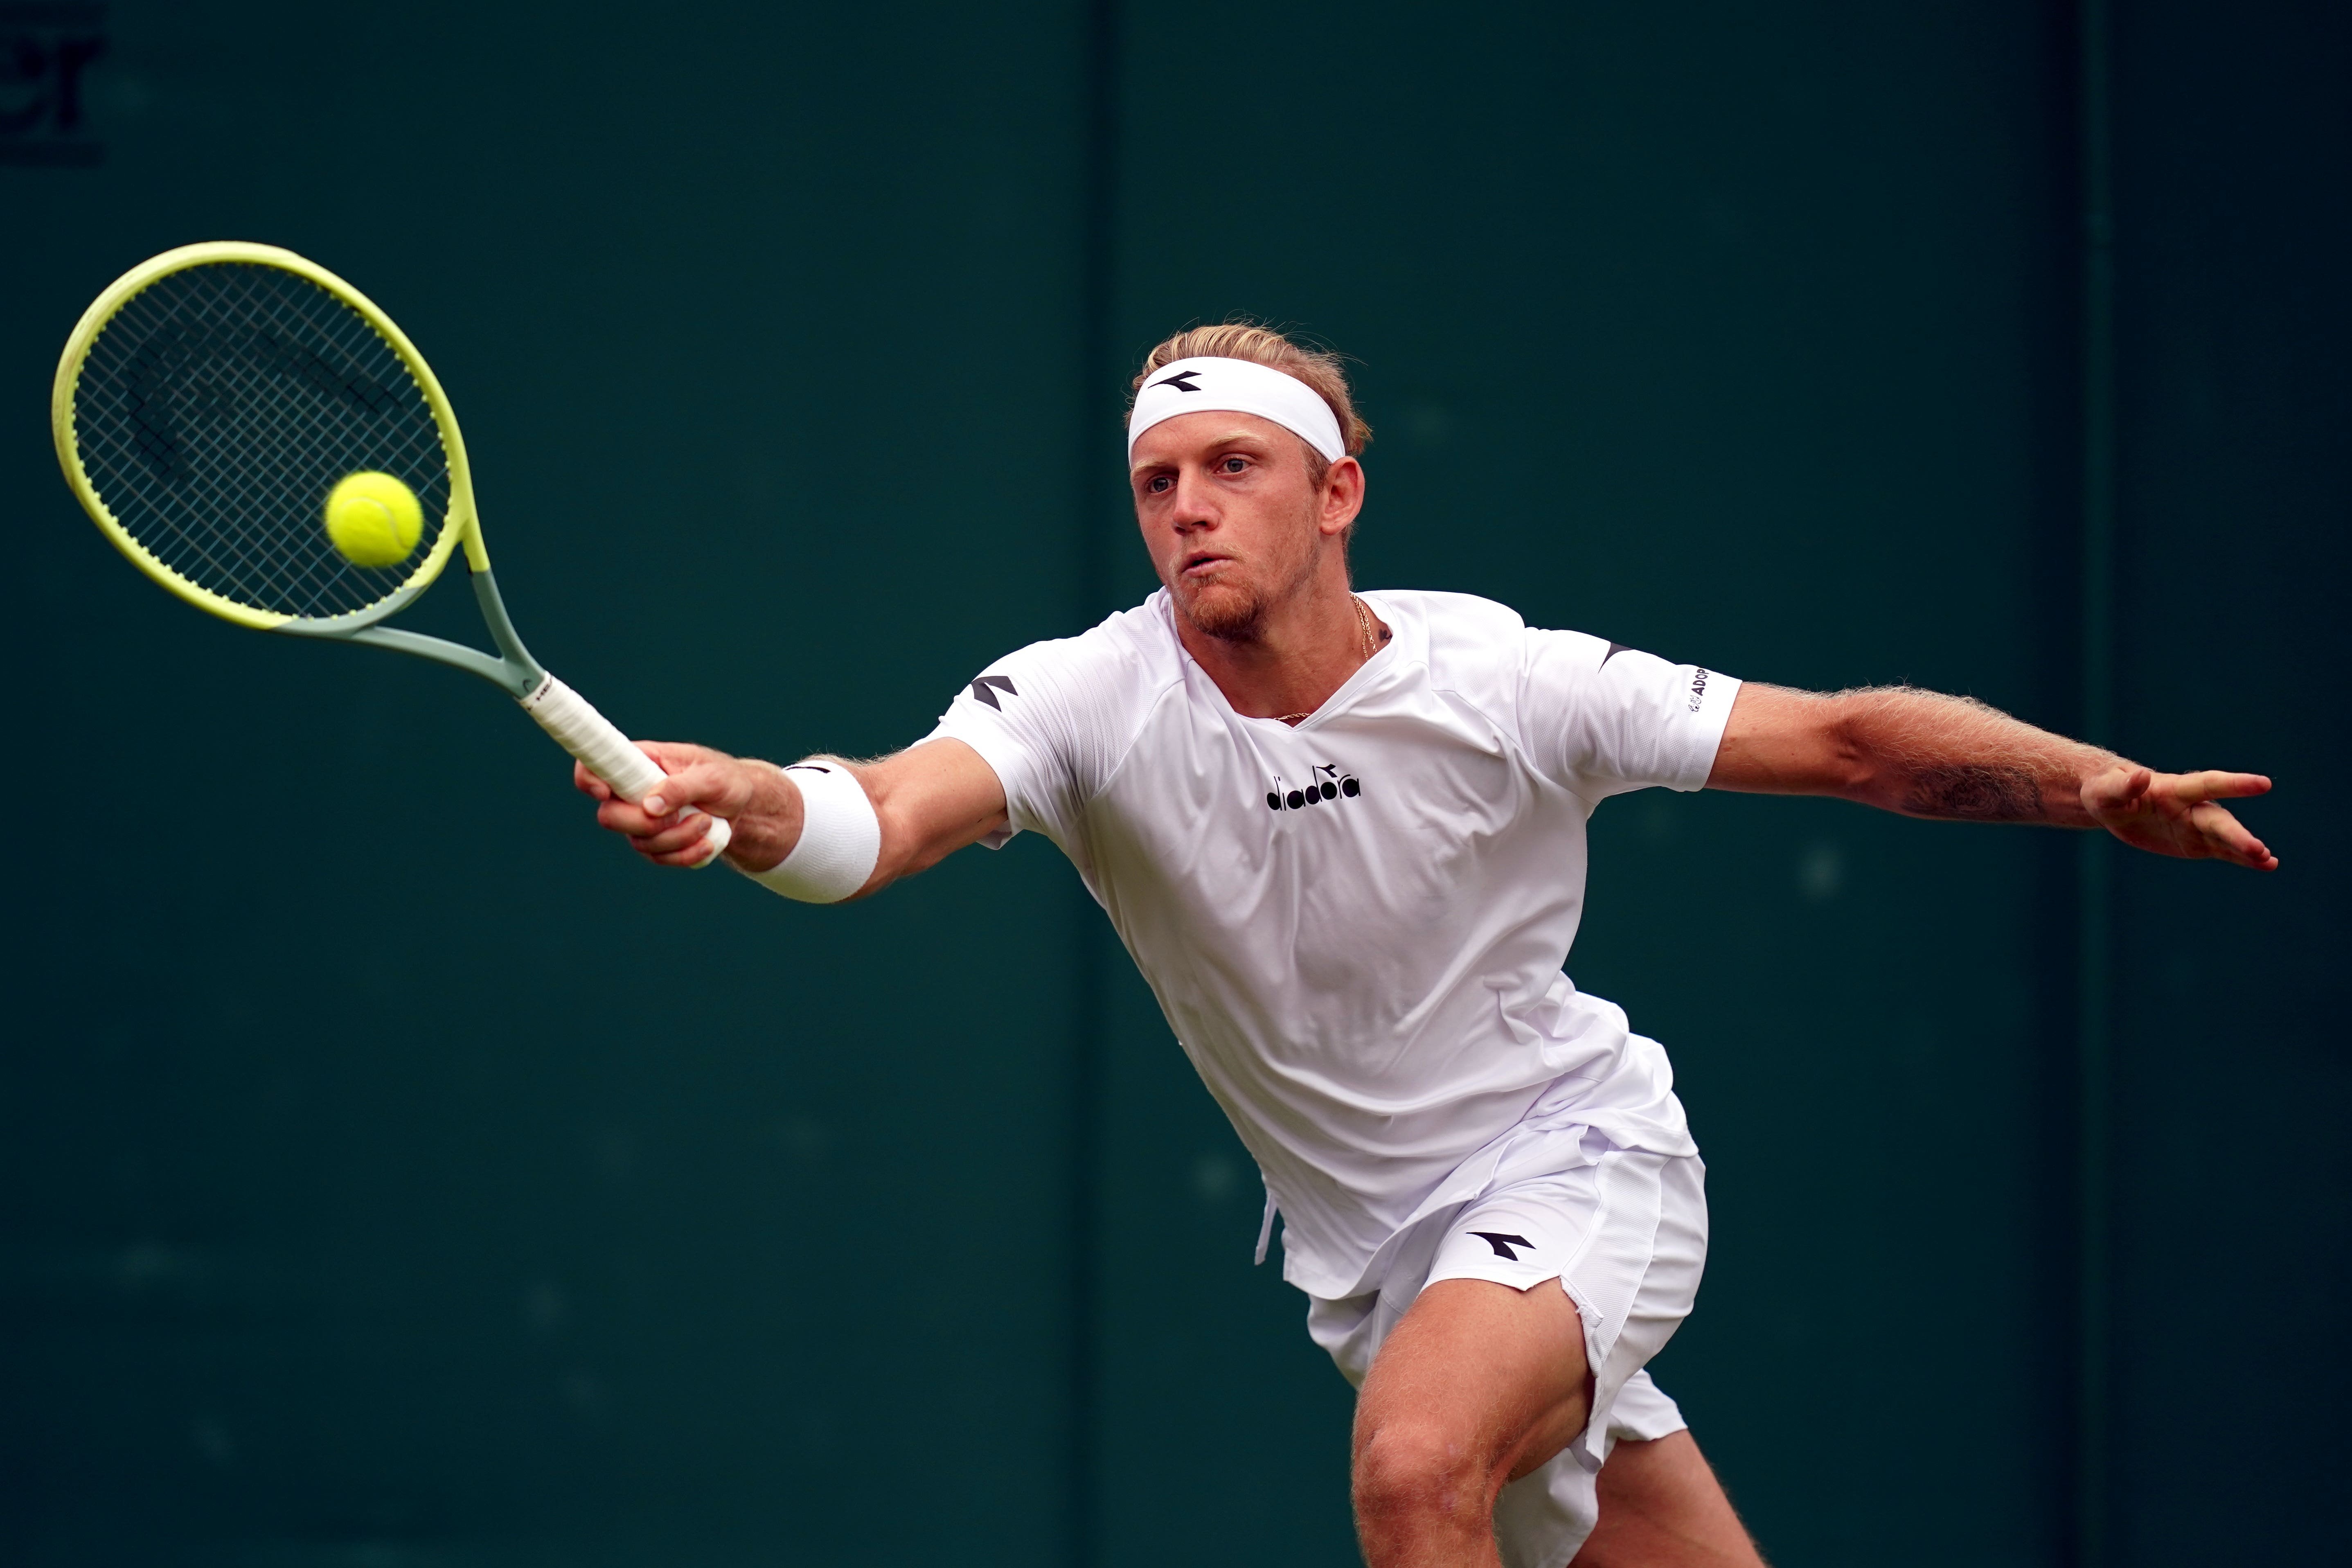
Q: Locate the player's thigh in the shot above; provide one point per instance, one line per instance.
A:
(1661, 1507)
(1493, 1376)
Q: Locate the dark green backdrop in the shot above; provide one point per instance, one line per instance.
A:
(393, 1173)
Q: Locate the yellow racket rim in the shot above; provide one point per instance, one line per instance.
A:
(459, 522)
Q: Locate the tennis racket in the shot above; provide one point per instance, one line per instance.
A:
(208, 405)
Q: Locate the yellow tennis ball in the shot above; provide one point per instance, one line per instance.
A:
(373, 520)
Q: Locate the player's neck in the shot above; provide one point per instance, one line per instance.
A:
(1300, 652)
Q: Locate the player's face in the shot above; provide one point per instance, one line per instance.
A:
(1233, 524)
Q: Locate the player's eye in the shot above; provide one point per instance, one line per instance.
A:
(1159, 484)
(1232, 465)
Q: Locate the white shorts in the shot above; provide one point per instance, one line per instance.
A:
(1625, 1234)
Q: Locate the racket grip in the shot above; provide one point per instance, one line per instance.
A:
(591, 737)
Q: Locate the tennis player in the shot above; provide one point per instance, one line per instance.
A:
(1343, 836)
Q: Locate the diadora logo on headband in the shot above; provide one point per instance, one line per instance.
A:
(1244, 386)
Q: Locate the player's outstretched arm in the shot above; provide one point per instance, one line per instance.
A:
(931, 800)
(1955, 759)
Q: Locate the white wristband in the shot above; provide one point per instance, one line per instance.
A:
(841, 838)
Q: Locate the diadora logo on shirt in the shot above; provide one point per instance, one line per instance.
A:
(1502, 1241)
(985, 688)
(1698, 691)
(1328, 784)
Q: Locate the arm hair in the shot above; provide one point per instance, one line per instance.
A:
(1922, 753)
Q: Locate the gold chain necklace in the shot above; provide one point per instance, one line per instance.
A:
(1371, 646)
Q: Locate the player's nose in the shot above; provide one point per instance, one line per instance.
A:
(1194, 507)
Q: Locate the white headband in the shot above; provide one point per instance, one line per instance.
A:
(1240, 386)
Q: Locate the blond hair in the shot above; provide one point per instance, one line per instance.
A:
(1319, 368)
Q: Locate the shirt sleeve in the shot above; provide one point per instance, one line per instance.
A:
(1602, 719)
(1045, 720)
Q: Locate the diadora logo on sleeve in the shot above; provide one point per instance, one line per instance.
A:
(986, 688)
(1328, 784)
(1698, 691)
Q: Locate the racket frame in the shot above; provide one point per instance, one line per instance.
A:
(461, 525)
(587, 733)
(513, 671)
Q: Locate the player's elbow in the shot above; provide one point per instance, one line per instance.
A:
(1847, 759)
(928, 802)
(914, 839)
(1783, 741)
(904, 847)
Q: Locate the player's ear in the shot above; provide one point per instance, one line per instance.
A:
(1343, 496)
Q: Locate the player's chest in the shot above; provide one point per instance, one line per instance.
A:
(1387, 790)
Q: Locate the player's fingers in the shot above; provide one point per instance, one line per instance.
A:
(588, 783)
(2114, 790)
(2228, 839)
(662, 834)
(707, 784)
(679, 845)
(672, 757)
(664, 752)
(624, 817)
(688, 785)
(2213, 784)
(676, 756)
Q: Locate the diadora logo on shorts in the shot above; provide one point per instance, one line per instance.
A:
(1502, 1241)
(1328, 784)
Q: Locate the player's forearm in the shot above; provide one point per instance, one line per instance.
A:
(933, 799)
(1925, 755)
(768, 831)
(870, 823)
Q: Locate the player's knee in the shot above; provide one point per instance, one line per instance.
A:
(1408, 1469)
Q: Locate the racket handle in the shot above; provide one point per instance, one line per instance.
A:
(588, 735)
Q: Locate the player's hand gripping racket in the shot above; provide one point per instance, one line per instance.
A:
(255, 436)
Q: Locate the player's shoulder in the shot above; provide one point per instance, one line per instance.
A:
(1485, 654)
(1464, 636)
(1452, 620)
(1126, 659)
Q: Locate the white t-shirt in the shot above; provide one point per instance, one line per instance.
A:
(1356, 927)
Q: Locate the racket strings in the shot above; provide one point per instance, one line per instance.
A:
(220, 405)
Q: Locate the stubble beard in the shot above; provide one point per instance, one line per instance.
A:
(1228, 613)
(1237, 613)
